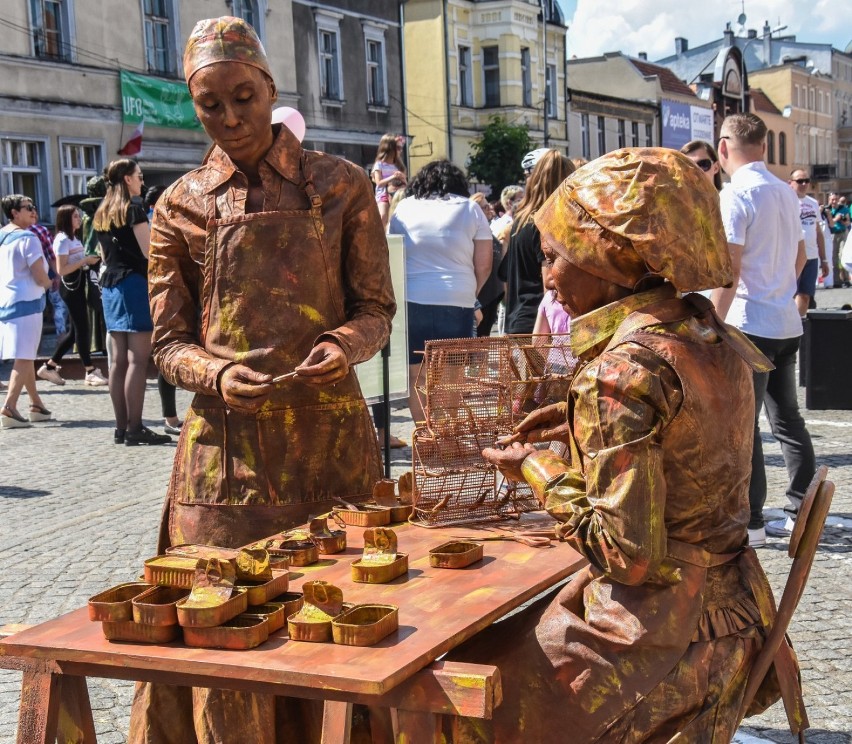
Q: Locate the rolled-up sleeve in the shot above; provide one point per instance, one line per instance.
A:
(369, 304)
(174, 287)
(614, 509)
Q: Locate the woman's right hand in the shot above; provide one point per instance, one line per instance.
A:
(243, 389)
(90, 260)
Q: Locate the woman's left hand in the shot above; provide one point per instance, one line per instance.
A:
(327, 364)
(509, 460)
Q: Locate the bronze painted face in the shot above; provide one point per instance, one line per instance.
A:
(234, 104)
(578, 291)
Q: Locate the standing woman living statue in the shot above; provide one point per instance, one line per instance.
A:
(267, 259)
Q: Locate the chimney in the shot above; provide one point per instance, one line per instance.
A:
(729, 35)
(681, 45)
(752, 33)
(767, 44)
(643, 55)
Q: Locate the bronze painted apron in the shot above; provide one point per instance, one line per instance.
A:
(240, 477)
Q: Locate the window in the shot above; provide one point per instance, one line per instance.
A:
(159, 36)
(245, 9)
(51, 25)
(550, 91)
(526, 76)
(649, 139)
(634, 134)
(601, 135)
(23, 167)
(812, 99)
(622, 138)
(796, 98)
(584, 135)
(465, 77)
(491, 72)
(80, 161)
(377, 85)
(331, 73)
(770, 146)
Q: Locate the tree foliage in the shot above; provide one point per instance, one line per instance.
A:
(497, 154)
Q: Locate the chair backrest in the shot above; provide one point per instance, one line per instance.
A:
(804, 541)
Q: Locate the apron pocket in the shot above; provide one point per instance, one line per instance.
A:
(197, 474)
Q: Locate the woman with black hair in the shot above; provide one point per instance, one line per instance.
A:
(72, 265)
(447, 259)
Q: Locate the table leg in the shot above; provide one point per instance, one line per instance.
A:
(336, 722)
(418, 728)
(76, 724)
(381, 725)
(39, 711)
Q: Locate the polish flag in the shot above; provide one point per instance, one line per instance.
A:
(133, 146)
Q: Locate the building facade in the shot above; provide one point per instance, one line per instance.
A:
(78, 76)
(469, 60)
(620, 101)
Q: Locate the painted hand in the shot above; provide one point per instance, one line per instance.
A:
(243, 389)
(327, 364)
(546, 424)
(509, 460)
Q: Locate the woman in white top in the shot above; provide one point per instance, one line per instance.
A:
(447, 259)
(71, 264)
(23, 280)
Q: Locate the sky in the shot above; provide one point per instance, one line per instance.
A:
(633, 26)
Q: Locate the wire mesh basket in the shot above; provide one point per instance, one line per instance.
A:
(473, 391)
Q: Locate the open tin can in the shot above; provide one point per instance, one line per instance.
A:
(456, 554)
(365, 624)
(207, 617)
(239, 634)
(158, 605)
(260, 592)
(322, 603)
(366, 516)
(114, 604)
(328, 541)
(380, 561)
(274, 612)
(127, 630)
(171, 570)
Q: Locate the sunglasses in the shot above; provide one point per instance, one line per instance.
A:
(802, 181)
(705, 164)
(29, 207)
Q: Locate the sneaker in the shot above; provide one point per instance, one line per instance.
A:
(40, 413)
(10, 419)
(51, 374)
(95, 378)
(145, 436)
(757, 538)
(780, 527)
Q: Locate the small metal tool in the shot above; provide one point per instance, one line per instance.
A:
(281, 378)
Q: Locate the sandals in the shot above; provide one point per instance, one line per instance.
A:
(11, 419)
(40, 413)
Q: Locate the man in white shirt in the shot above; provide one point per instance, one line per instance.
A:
(816, 262)
(761, 217)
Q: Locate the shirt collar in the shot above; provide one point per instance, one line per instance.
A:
(755, 165)
(284, 157)
(597, 326)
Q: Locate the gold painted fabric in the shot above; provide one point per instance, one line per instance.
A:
(262, 289)
(225, 39)
(655, 638)
(637, 211)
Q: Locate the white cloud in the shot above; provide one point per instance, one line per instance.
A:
(634, 26)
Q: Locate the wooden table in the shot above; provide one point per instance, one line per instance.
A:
(438, 609)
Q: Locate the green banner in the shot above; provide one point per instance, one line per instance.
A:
(161, 103)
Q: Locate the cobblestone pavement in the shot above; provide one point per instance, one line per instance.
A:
(79, 514)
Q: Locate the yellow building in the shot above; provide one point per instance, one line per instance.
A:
(804, 95)
(469, 60)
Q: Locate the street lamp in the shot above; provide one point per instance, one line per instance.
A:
(742, 60)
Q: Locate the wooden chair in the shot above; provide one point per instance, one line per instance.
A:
(804, 541)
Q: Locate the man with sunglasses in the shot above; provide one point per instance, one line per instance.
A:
(838, 218)
(761, 219)
(816, 262)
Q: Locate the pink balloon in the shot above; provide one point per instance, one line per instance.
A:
(292, 119)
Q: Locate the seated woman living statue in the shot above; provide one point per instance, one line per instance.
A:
(654, 640)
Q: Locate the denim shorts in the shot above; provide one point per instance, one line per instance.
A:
(808, 278)
(433, 322)
(126, 305)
